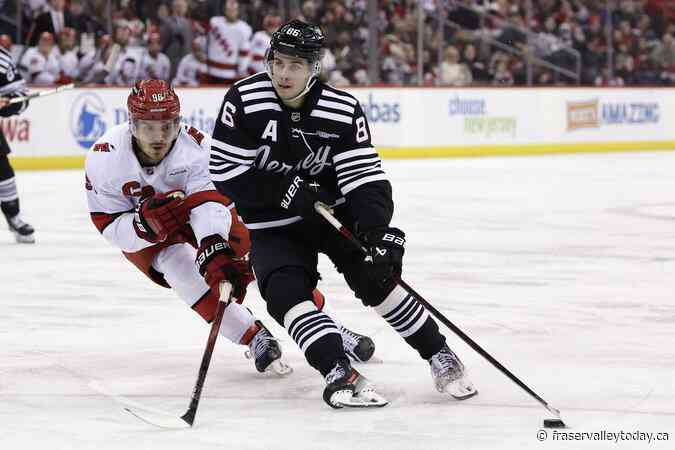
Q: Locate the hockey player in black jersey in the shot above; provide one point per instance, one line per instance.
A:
(11, 85)
(283, 141)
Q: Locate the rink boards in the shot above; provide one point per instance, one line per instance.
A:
(56, 131)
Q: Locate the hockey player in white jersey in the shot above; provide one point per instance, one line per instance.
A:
(228, 46)
(145, 180)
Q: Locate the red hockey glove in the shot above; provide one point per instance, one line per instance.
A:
(217, 262)
(157, 217)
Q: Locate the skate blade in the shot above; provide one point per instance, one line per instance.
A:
(24, 239)
(366, 392)
(279, 368)
(460, 389)
(376, 401)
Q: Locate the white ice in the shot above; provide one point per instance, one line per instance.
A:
(561, 267)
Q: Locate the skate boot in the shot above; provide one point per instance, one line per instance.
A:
(358, 347)
(23, 233)
(450, 376)
(347, 388)
(265, 350)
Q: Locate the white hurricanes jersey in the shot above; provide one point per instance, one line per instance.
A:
(228, 48)
(116, 181)
(40, 70)
(158, 68)
(189, 70)
(260, 42)
(68, 63)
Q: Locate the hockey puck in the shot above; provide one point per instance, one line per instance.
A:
(554, 423)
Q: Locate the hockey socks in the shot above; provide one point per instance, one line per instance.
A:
(412, 321)
(317, 335)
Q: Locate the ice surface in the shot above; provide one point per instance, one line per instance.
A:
(561, 267)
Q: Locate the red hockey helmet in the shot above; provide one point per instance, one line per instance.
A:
(153, 100)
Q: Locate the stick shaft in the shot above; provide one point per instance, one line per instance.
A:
(225, 297)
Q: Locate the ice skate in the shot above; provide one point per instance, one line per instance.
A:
(23, 233)
(265, 350)
(358, 347)
(450, 376)
(347, 388)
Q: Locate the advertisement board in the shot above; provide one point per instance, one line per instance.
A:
(404, 122)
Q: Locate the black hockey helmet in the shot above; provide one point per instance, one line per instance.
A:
(299, 39)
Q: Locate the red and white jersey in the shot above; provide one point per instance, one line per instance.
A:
(228, 48)
(188, 71)
(68, 63)
(260, 42)
(116, 181)
(40, 70)
(157, 68)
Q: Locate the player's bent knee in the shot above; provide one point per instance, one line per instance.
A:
(284, 289)
(364, 289)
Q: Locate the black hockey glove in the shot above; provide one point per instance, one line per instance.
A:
(299, 193)
(385, 254)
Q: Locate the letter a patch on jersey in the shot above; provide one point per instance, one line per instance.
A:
(270, 131)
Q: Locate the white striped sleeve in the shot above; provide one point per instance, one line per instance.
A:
(357, 167)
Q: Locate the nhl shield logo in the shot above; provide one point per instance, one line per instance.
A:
(295, 117)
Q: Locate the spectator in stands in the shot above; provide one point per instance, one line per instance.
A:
(192, 67)
(92, 63)
(155, 64)
(261, 41)
(396, 68)
(665, 51)
(39, 64)
(349, 56)
(128, 67)
(228, 46)
(68, 62)
(6, 42)
(53, 20)
(176, 31)
(503, 75)
(452, 72)
(83, 21)
(477, 67)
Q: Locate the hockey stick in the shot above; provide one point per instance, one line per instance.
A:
(325, 212)
(165, 420)
(109, 65)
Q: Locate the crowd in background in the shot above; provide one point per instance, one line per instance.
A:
(472, 42)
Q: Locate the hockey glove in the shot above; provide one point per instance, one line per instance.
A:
(157, 217)
(217, 262)
(299, 193)
(385, 254)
